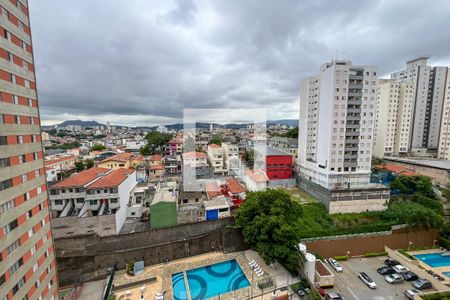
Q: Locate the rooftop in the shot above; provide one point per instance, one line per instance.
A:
(194, 154)
(155, 157)
(269, 151)
(119, 157)
(112, 179)
(257, 175)
(212, 189)
(431, 163)
(217, 203)
(82, 178)
(234, 186)
(213, 146)
(58, 160)
(399, 170)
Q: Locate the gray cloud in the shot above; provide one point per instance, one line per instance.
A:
(144, 61)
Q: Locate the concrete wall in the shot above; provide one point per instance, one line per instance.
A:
(364, 243)
(90, 255)
(75, 226)
(440, 176)
(125, 189)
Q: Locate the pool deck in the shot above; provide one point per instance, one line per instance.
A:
(163, 274)
(437, 270)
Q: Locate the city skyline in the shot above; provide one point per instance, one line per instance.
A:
(142, 64)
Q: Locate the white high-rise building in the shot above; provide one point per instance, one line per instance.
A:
(429, 83)
(337, 109)
(444, 139)
(395, 107)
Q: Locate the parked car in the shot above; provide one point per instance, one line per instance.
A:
(333, 296)
(422, 284)
(394, 278)
(410, 276)
(391, 262)
(385, 270)
(410, 293)
(335, 264)
(400, 269)
(367, 280)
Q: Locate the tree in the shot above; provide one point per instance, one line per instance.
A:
(250, 155)
(270, 225)
(413, 184)
(89, 163)
(292, 133)
(216, 139)
(155, 139)
(98, 147)
(79, 165)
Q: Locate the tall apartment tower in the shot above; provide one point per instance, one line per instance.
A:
(429, 83)
(444, 139)
(395, 106)
(337, 109)
(27, 258)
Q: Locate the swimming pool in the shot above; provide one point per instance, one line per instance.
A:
(434, 259)
(210, 281)
(179, 287)
(446, 274)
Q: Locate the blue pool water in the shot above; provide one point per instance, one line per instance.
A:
(179, 288)
(210, 281)
(446, 274)
(434, 259)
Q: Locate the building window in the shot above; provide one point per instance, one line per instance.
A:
(15, 99)
(17, 119)
(92, 202)
(30, 102)
(6, 206)
(19, 139)
(13, 247)
(18, 285)
(27, 83)
(3, 140)
(12, 78)
(4, 162)
(9, 227)
(5, 184)
(58, 202)
(24, 177)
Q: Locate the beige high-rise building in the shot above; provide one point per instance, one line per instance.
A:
(444, 137)
(395, 107)
(27, 255)
(429, 84)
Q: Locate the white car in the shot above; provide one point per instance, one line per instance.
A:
(394, 278)
(400, 269)
(367, 280)
(335, 264)
(410, 293)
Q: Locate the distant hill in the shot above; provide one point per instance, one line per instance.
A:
(176, 126)
(79, 123)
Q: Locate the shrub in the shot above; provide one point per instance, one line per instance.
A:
(375, 254)
(404, 253)
(341, 257)
(444, 242)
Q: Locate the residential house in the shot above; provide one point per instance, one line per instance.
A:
(62, 165)
(216, 159)
(196, 162)
(255, 180)
(278, 163)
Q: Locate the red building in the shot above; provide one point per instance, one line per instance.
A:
(278, 163)
(235, 191)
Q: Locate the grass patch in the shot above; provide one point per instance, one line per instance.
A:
(300, 195)
(437, 296)
(406, 254)
(341, 257)
(375, 254)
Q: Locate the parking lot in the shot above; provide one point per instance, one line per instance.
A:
(352, 288)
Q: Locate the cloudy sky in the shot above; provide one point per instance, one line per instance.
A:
(142, 62)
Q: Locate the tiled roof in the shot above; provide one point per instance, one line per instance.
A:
(112, 179)
(257, 175)
(58, 160)
(156, 167)
(213, 146)
(399, 170)
(212, 189)
(119, 157)
(234, 186)
(82, 178)
(193, 154)
(156, 157)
